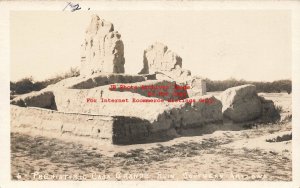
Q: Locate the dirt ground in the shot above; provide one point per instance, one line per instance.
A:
(257, 154)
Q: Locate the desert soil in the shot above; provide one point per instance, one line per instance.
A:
(257, 154)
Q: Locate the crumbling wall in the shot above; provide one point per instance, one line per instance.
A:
(159, 59)
(120, 124)
(162, 115)
(61, 122)
(102, 49)
(163, 64)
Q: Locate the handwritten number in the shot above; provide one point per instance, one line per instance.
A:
(73, 7)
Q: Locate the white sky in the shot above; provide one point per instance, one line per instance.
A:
(217, 44)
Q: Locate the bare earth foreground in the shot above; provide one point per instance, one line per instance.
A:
(260, 152)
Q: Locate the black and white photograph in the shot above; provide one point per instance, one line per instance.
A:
(162, 94)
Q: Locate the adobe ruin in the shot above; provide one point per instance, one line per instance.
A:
(63, 108)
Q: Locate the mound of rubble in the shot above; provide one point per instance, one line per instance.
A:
(242, 104)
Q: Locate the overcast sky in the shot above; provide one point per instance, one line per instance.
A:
(216, 44)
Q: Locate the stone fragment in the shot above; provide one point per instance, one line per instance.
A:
(241, 103)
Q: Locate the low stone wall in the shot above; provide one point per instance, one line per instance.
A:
(96, 80)
(116, 130)
(121, 124)
(99, 127)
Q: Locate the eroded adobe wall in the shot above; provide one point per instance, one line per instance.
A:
(99, 127)
(102, 49)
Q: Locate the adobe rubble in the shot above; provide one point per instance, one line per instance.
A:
(242, 104)
(165, 64)
(159, 59)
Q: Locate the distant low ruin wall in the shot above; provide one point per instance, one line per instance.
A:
(101, 80)
(97, 80)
